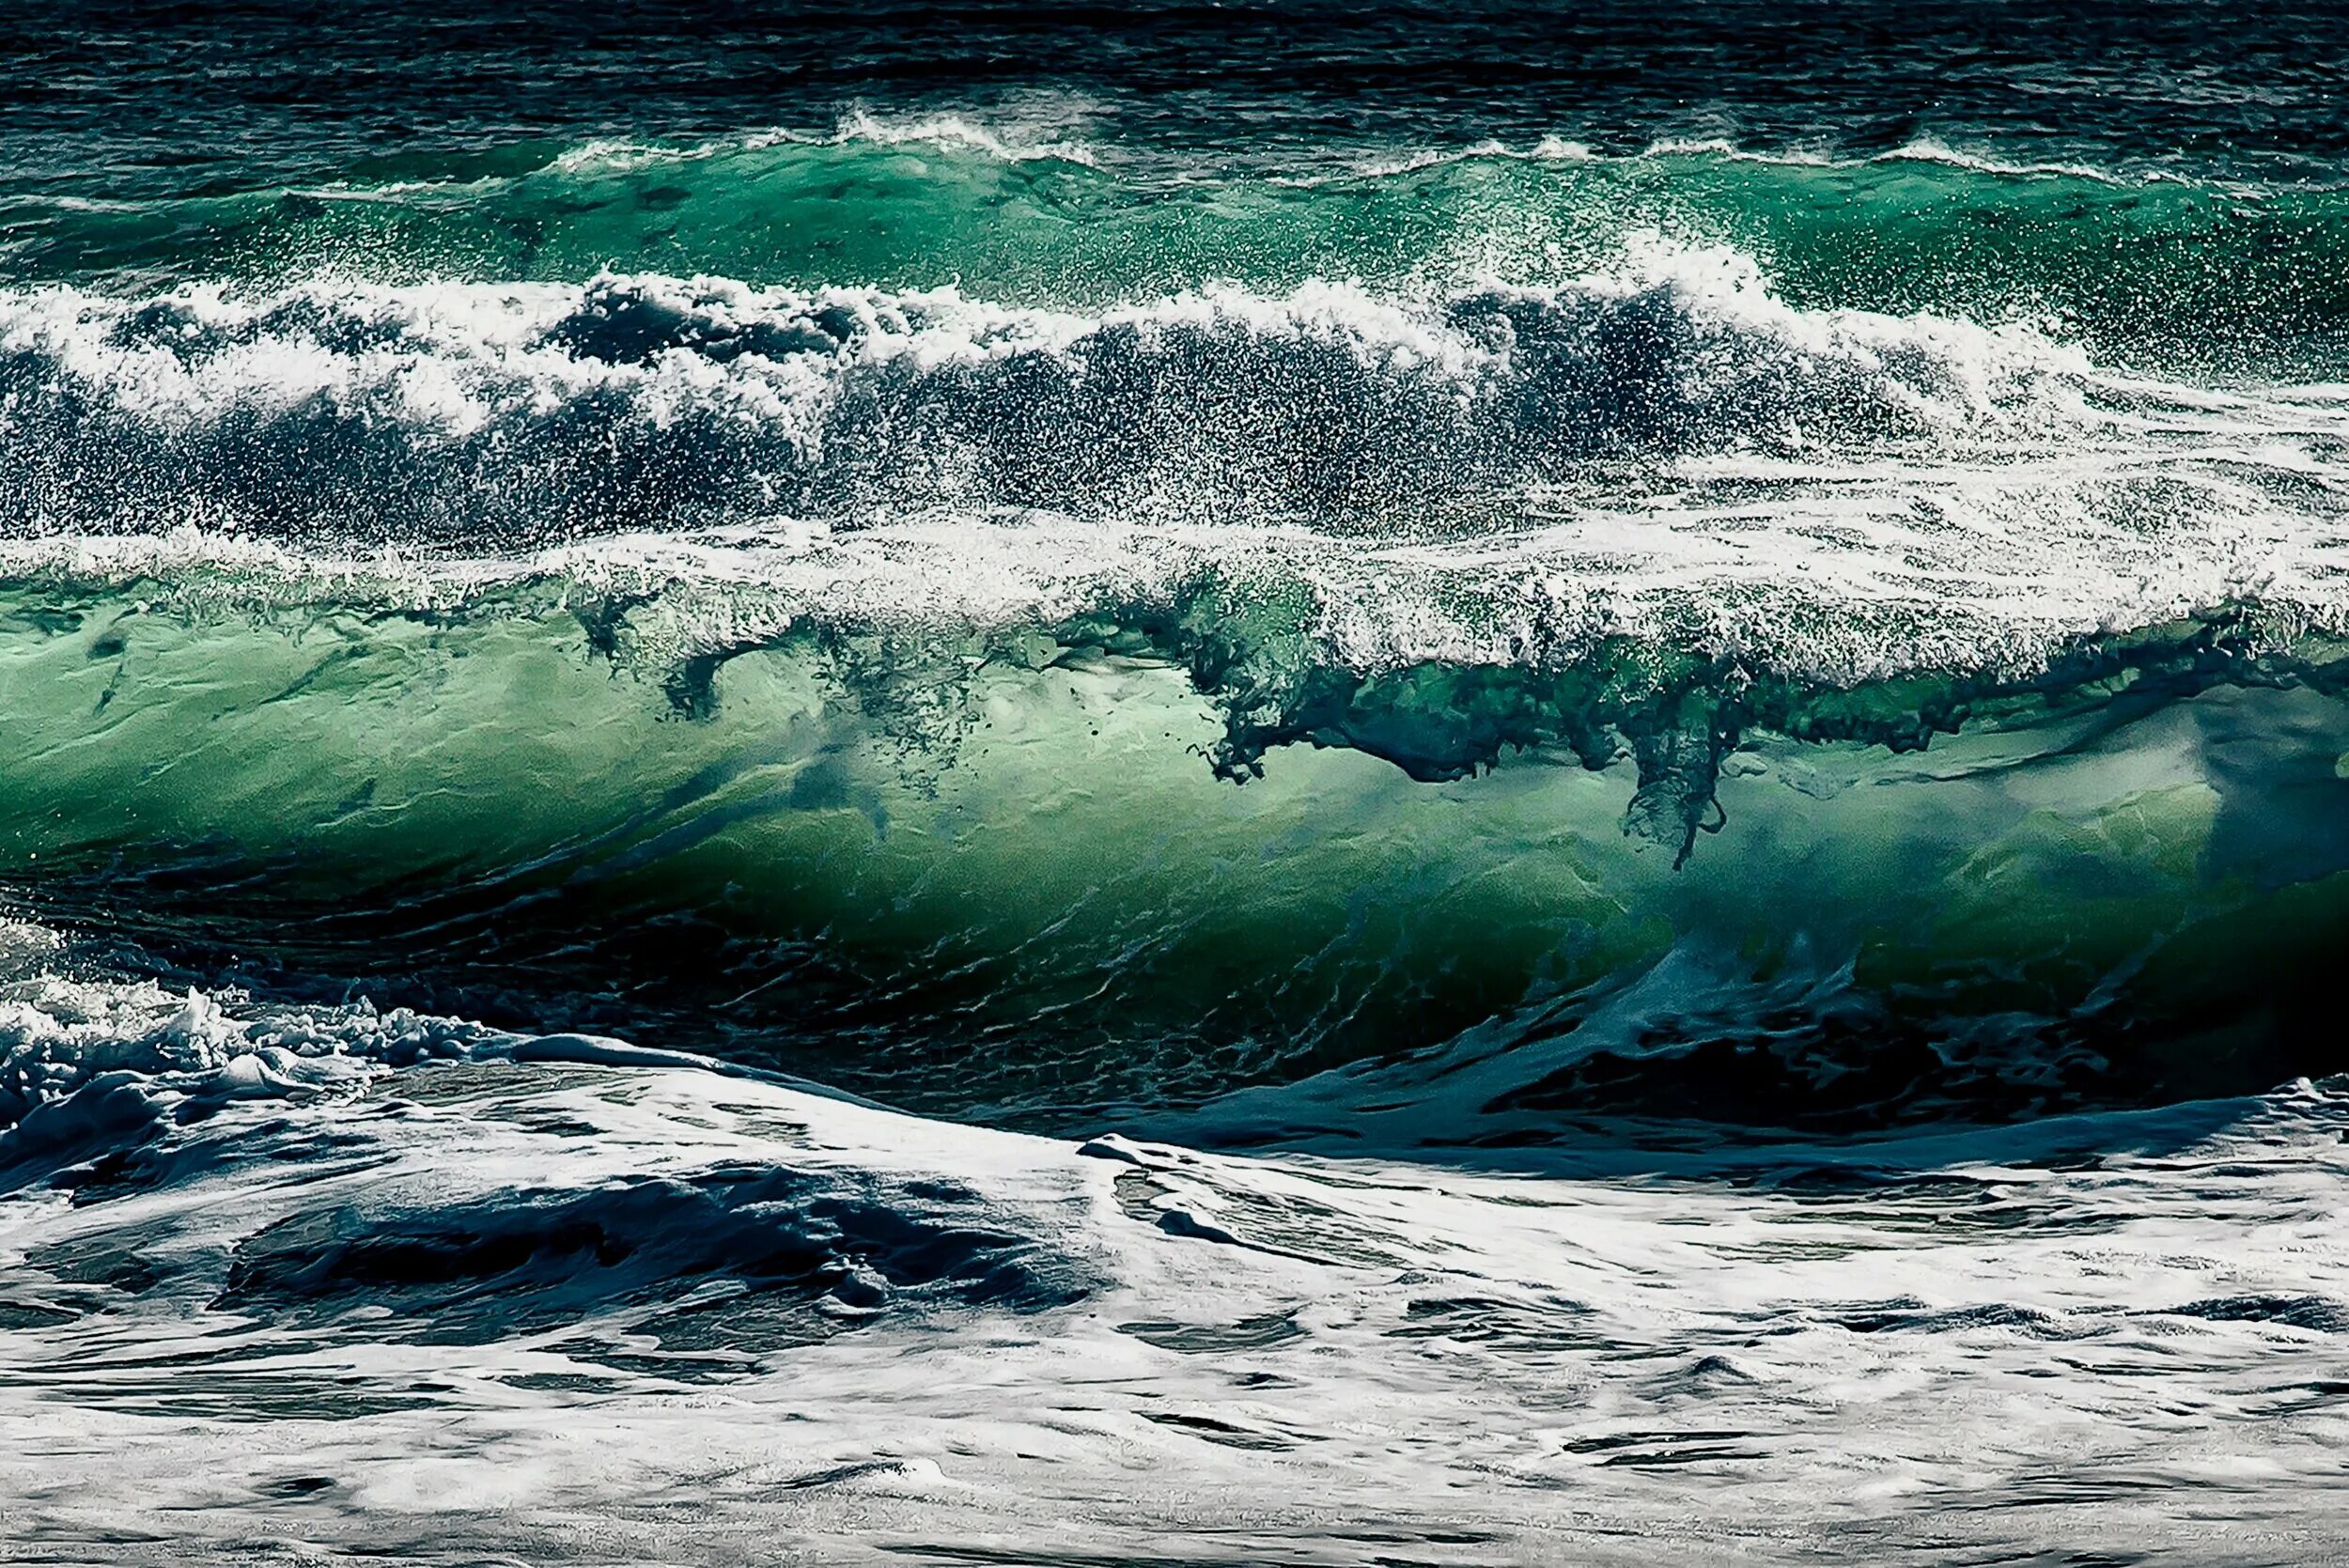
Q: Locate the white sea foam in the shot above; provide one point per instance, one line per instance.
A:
(1928, 150)
(1009, 137)
(532, 1304)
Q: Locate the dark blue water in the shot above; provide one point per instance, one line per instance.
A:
(140, 99)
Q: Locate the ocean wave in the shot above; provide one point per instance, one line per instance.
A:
(1669, 456)
(503, 415)
(2167, 270)
(1210, 690)
(1003, 140)
(1011, 140)
(853, 850)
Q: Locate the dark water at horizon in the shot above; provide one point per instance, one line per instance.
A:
(148, 99)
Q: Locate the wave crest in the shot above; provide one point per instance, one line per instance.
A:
(492, 417)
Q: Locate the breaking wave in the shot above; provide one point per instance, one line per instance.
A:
(2137, 265)
(1057, 867)
(1628, 679)
(496, 416)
